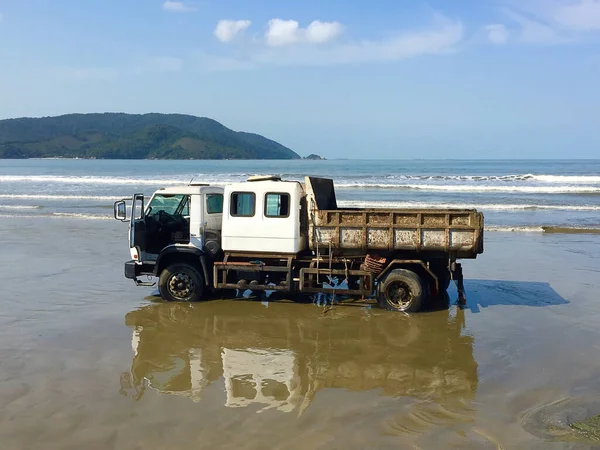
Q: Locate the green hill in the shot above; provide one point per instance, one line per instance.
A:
(132, 136)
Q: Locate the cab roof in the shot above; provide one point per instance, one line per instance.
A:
(189, 189)
(263, 184)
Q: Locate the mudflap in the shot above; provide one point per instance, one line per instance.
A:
(457, 276)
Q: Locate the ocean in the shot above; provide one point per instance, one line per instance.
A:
(521, 196)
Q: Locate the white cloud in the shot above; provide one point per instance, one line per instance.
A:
(174, 6)
(552, 21)
(227, 30)
(282, 32)
(535, 31)
(435, 41)
(285, 32)
(318, 32)
(440, 38)
(538, 33)
(582, 16)
(497, 33)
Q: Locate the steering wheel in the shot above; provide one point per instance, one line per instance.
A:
(164, 216)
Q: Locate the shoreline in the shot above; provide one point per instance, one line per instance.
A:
(550, 229)
(516, 229)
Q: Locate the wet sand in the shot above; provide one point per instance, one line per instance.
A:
(88, 360)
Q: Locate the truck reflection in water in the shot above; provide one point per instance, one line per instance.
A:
(281, 356)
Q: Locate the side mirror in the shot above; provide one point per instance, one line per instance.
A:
(120, 211)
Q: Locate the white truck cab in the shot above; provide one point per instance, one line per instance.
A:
(264, 215)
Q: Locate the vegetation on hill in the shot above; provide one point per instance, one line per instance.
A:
(132, 136)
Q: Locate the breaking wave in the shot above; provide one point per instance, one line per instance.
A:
(543, 229)
(582, 179)
(579, 189)
(557, 179)
(366, 180)
(529, 177)
(19, 207)
(475, 188)
(482, 207)
(59, 197)
(82, 216)
(57, 215)
(98, 180)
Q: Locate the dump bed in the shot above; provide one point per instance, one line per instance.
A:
(349, 231)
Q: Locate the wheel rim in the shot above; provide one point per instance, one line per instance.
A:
(398, 295)
(181, 285)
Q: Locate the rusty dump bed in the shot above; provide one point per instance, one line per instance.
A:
(457, 232)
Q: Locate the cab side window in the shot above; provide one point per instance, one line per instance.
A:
(243, 204)
(214, 203)
(277, 204)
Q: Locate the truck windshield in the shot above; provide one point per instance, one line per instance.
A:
(173, 204)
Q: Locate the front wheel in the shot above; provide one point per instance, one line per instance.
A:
(401, 290)
(181, 282)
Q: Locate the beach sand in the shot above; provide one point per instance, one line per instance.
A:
(89, 360)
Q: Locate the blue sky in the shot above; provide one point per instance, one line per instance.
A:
(402, 79)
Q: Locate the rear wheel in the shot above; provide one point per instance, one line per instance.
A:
(401, 290)
(181, 282)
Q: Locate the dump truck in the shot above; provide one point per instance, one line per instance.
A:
(269, 234)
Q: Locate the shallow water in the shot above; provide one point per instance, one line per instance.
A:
(88, 360)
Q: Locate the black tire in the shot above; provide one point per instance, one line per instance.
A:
(181, 283)
(401, 290)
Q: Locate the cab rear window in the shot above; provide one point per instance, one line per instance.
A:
(243, 204)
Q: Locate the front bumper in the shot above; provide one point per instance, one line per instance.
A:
(134, 269)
